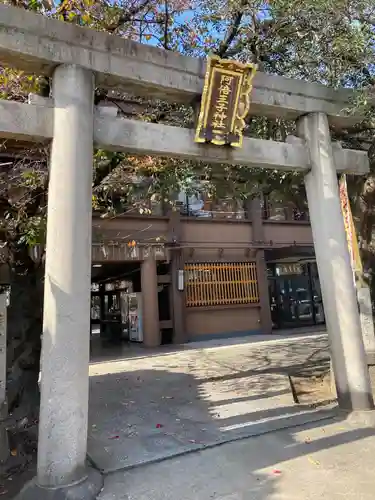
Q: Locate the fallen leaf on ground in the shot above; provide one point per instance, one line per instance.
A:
(314, 462)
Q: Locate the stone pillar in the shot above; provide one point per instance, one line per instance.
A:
(335, 272)
(150, 305)
(264, 297)
(178, 300)
(367, 320)
(66, 323)
(177, 296)
(254, 211)
(255, 214)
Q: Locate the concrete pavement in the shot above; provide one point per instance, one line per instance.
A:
(326, 461)
(145, 409)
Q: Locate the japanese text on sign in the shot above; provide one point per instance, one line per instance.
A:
(225, 102)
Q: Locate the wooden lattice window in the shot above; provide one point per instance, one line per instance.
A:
(221, 283)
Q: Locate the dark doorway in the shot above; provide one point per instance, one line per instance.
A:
(295, 295)
(113, 284)
(164, 303)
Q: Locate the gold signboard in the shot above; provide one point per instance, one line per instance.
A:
(225, 102)
(351, 235)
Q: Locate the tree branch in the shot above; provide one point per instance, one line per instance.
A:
(232, 32)
(103, 170)
(166, 25)
(128, 15)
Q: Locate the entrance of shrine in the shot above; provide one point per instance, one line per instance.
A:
(80, 59)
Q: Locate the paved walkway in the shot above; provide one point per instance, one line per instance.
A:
(144, 409)
(331, 460)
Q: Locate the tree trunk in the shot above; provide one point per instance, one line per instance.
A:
(24, 331)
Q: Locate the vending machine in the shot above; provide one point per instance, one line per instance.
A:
(135, 317)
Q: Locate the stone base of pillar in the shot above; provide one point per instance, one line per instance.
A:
(88, 489)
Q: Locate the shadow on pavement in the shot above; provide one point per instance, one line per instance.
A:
(148, 415)
(144, 417)
(146, 409)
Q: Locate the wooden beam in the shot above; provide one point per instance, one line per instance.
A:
(37, 44)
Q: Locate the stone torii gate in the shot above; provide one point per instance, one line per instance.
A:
(77, 59)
